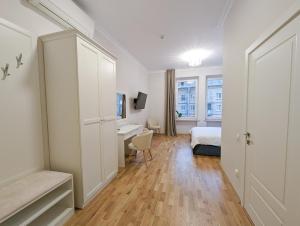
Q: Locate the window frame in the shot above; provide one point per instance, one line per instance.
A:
(218, 76)
(195, 118)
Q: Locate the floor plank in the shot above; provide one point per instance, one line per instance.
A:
(176, 189)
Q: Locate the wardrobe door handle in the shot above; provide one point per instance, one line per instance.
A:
(248, 136)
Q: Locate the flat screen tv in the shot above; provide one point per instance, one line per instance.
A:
(140, 101)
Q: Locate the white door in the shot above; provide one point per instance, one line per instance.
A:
(108, 116)
(272, 186)
(89, 117)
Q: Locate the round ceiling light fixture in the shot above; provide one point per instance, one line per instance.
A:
(195, 57)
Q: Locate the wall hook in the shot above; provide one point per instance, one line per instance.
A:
(19, 60)
(5, 71)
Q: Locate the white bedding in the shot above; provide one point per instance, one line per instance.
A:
(206, 136)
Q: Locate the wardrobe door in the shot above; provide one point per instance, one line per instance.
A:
(108, 115)
(89, 118)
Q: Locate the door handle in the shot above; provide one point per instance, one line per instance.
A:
(247, 134)
(248, 138)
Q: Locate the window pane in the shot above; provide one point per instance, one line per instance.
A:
(119, 106)
(186, 98)
(214, 97)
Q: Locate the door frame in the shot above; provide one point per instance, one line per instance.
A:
(287, 17)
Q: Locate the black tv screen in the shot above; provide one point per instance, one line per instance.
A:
(140, 101)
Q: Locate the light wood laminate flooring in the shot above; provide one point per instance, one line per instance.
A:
(176, 189)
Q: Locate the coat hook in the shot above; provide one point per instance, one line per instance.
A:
(19, 60)
(5, 71)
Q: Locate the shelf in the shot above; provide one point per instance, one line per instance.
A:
(20, 194)
(57, 215)
(32, 212)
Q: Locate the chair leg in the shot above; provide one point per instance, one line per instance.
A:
(150, 153)
(136, 154)
(145, 159)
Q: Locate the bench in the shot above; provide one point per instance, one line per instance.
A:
(41, 198)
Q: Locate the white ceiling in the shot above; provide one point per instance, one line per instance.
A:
(138, 24)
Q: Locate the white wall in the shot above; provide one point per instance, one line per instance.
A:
(19, 13)
(131, 75)
(15, 12)
(246, 21)
(157, 97)
(158, 91)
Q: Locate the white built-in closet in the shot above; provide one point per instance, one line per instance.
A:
(80, 80)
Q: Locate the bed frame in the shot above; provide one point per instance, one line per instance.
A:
(207, 150)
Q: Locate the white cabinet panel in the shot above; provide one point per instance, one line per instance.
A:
(88, 81)
(89, 113)
(109, 148)
(91, 159)
(107, 88)
(108, 115)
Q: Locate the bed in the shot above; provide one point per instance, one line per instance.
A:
(206, 141)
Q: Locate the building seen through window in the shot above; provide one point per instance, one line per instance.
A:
(214, 98)
(186, 98)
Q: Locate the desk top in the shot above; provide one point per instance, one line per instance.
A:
(128, 128)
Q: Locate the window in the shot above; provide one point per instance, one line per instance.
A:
(121, 106)
(186, 98)
(183, 99)
(214, 98)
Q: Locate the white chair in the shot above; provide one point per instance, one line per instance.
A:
(142, 142)
(154, 125)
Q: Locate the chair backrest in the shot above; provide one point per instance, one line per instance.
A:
(152, 122)
(143, 141)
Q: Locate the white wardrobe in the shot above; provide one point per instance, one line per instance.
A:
(80, 84)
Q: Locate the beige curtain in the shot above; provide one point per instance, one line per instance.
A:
(170, 103)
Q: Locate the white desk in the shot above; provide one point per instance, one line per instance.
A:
(124, 133)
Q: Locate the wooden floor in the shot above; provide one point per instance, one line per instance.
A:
(176, 189)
